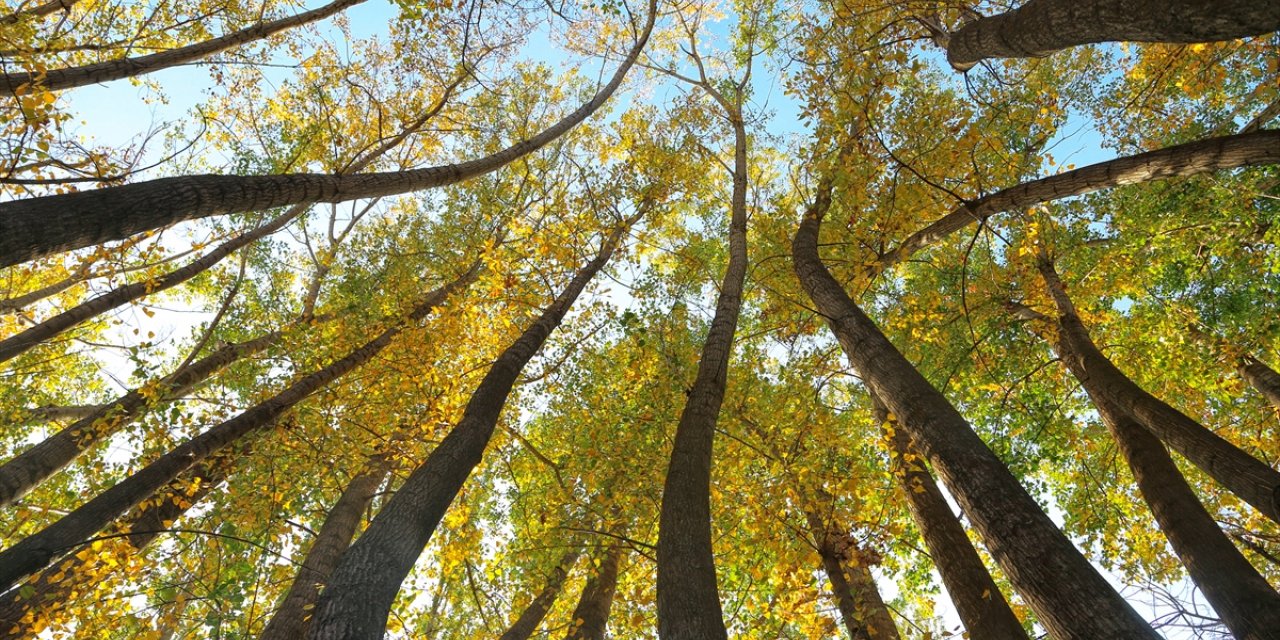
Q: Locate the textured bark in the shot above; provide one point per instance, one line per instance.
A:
(16, 303)
(41, 226)
(42, 548)
(40, 10)
(981, 606)
(1213, 154)
(527, 623)
(1242, 474)
(44, 592)
(591, 616)
(50, 413)
(1262, 378)
(1040, 27)
(688, 599)
(28, 469)
(358, 598)
(67, 78)
(862, 610)
(293, 617)
(1067, 594)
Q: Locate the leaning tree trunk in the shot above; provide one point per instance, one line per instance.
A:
(358, 598)
(1040, 27)
(1242, 474)
(69, 77)
(41, 226)
(591, 616)
(1262, 378)
(1192, 158)
(38, 550)
(529, 620)
(1067, 594)
(862, 610)
(688, 600)
(978, 601)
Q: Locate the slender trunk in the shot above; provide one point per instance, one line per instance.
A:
(36, 227)
(1067, 594)
(293, 618)
(525, 625)
(40, 10)
(20, 609)
(17, 303)
(863, 612)
(591, 616)
(1040, 27)
(50, 413)
(40, 549)
(358, 598)
(67, 78)
(978, 601)
(1192, 158)
(1262, 378)
(1242, 474)
(28, 469)
(688, 599)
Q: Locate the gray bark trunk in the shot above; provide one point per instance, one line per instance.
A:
(862, 610)
(591, 616)
(1262, 378)
(529, 620)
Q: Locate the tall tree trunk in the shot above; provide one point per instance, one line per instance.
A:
(981, 606)
(1040, 27)
(40, 10)
(591, 616)
(293, 617)
(863, 612)
(527, 623)
(1262, 378)
(1068, 595)
(28, 469)
(38, 550)
(358, 598)
(1244, 475)
(41, 226)
(67, 78)
(688, 599)
(1192, 158)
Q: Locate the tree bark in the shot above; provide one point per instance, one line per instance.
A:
(70, 77)
(591, 616)
(981, 606)
(37, 227)
(1067, 594)
(38, 11)
(863, 612)
(1192, 158)
(1242, 474)
(525, 625)
(688, 599)
(1262, 378)
(358, 598)
(38, 550)
(1040, 27)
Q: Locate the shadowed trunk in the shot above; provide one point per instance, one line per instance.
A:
(1242, 474)
(1040, 27)
(591, 616)
(38, 550)
(688, 599)
(358, 598)
(37, 227)
(1068, 595)
(862, 610)
(525, 625)
(1262, 378)
(40, 10)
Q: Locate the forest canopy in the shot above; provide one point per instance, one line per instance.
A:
(687, 319)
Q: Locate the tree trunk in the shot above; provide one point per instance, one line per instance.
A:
(591, 616)
(293, 617)
(358, 598)
(38, 550)
(1067, 594)
(1040, 27)
(525, 625)
(1192, 158)
(688, 599)
(40, 10)
(1262, 378)
(37, 227)
(28, 469)
(67, 78)
(981, 606)
(863, 612)
(1244, 475)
